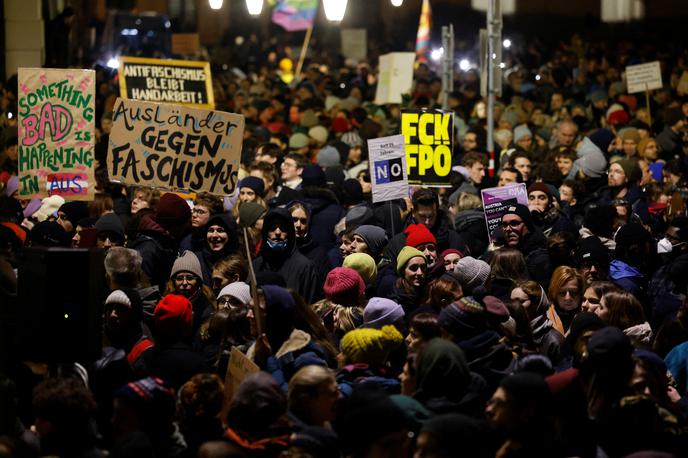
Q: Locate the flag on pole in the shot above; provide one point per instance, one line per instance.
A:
(295, 15)
(423, 37)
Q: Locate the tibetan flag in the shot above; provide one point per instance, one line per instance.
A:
(295, 15)
(423, 37)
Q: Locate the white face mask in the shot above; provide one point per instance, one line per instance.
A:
(664, 246)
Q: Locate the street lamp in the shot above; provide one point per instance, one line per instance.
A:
(254, 7)
(397, 2)
(335, 9)
(215, 4)
(506, 43)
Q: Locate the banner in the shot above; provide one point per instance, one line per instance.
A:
(174, 147)
(56, 133)
(355, 43)
(424, 32)
(395, 78)
(295, 15)
(183, 82)
(497, 200)
(387, 159)
(428, 135)
(643, 77)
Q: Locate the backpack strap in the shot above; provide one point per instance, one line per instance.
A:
(136, 352)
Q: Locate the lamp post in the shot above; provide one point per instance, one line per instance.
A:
(335, 9)
(254, 7)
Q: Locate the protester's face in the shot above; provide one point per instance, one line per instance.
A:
(118, 318)
(220, 281)
(290, 170)
(616, 176)
(507, 177)
(64, 222)
(565, 194)
(217, 237)
(519, 296)
(538, 201)
(642, 383)
(355, 154)
(186, 284)
(592, 272)
(200, 215)
(107, 240)
(569, 296)
(564, 164)
(525, 142)
(259, 174)
(408, 383)
(414, 272)
(138, 202)
(556, 102)
(630, 147)
(277, 233)
(425, 214)
(300, 222)
(430, 252)
(498, 411)
(247, 195)
(428, 447)
(566, 134)
(603, 310)
(413, 342)
(470, 142)
(651, 150)
(12, 152)
(358, 244)
(345, 247)
(228, 302)
(450, 261)
(477, 172)
(590, 301)
(514, 229)
(523, 165)
(323, 406)
(77, 236)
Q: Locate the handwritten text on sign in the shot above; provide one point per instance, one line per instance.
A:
(170, 81)
(175, 147)
(56, 125)
(428, 136)
(643, 77)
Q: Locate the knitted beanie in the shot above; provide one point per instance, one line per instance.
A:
(374, 236)
(631, 169)
(249, 213)
(449, 251)
(405, 255)
(370, 346)
(118, 297)
(238, 290)
(521, 211)
(471, 272)
(629, 133)
(128, 297)
(521, 131)
(364, 264)
(463, 319)
(418, 234)
(343, 286)
(542, 187)
(173, 317)
(318, 133)
(172, 211)
(298, 140)
(187, 262)
(153, 396)
(253, 183)
(110, 223)
(381, 311)
(49, 206)
(74, 211)
(352, 139)
(328, 156)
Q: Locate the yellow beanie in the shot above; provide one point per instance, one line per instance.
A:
(370, 346)
(405, 255)
(364, 264)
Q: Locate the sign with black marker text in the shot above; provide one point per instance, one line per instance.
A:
(428, 135)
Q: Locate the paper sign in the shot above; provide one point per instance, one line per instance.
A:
(355, 43)
(396, 77)
(183, 82)
(174, 147)
(497, 200)
(56, 133)
(238, 368)
(428, 135)
(387, 159)
(186, 44)
(643, 77)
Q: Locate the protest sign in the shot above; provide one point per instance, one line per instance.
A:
(186, 44)
(643, 77)
(160, 80)
(238, 368)
(387, 158)
(56, 133)
(395, 78)
(354, 43)
(174, 147)
(428, 135)
(497, 200)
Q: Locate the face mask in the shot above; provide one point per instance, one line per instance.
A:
(664, 246)
(277, 246)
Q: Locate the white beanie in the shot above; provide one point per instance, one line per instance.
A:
(187, 262)
(118, 297)
(238, 290)
(49, 206)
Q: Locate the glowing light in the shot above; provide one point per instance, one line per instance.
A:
(254, 7)
(113, 62)
(538, 77)
(436, 54)
(464, 65)
(335, 9)
(502, 65)
(506, 43)
(215, 4)
(397, 2)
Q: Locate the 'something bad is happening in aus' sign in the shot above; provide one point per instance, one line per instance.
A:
(175, 147)
(56, 133)
(183, 82)
(428, 135)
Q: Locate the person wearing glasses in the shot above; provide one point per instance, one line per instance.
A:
(521, 233)
(186, 280)
(205, 206)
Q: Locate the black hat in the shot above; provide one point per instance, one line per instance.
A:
(521, 211)
(592, 251)
(631, 234)
(314, 176)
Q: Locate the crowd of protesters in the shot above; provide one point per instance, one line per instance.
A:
(381, 330)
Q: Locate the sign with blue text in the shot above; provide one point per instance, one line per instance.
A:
(387, 158)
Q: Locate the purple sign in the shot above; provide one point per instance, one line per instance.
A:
(496, 201)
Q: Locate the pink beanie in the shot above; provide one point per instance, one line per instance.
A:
(344, 286)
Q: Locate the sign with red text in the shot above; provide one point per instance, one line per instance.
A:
(56, 118)
(175, 147)
(428, 135)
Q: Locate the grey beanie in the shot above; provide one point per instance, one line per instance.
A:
(328, 156)
(238, 290)
(471, 272)
(375, 237)
(187, 262)
(521, 131)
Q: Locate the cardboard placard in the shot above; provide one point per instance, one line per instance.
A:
(497, 200)
(354, 43)
(238, 368)
(56, 133)
(428, 135)
(395, 78)
(186, 44)
(174, 147)
(184, 82)
(643, 77)
(387, 159)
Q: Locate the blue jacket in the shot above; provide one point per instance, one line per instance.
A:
(626, 277)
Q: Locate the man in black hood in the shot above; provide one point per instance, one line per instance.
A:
(278, 254)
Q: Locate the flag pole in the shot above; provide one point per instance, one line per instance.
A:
(302, 56)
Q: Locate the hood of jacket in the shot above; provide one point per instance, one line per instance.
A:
(282, 217)
(619, 269)
(226, 221)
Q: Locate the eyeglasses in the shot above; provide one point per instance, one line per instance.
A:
(512, 224)
(229, 302)
(199, 211)
(185, 278)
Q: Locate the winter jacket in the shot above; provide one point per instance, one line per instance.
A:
(626, 277)
(157, 249)
(471, 227)
(175, 363)
(670, 144)
(548, 339)
(354, 375)
(534, 249)
(316, 254)
(325, 214)
(208, 257)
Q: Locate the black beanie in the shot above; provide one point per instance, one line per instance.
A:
(591, 250)
(631, 234)
(75, 211)
(521, 211)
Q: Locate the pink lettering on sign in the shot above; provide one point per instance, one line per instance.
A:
(67, 184)
(55, 117)
(44, 79)
(25, 89)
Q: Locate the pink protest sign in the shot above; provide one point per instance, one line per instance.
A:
(496, 201)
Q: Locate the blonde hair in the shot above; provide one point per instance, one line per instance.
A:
(467, 201)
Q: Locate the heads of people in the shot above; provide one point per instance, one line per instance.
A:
(206, 205)
(516, 224)
(476, 164)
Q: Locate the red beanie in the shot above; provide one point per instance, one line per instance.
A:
(172, 211)
(344, 286)
(340, 125)
(417, 234)
(542, 187)
(173, 316)
(618, 118)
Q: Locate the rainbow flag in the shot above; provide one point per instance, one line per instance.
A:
(423, 37)
(295, 15)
